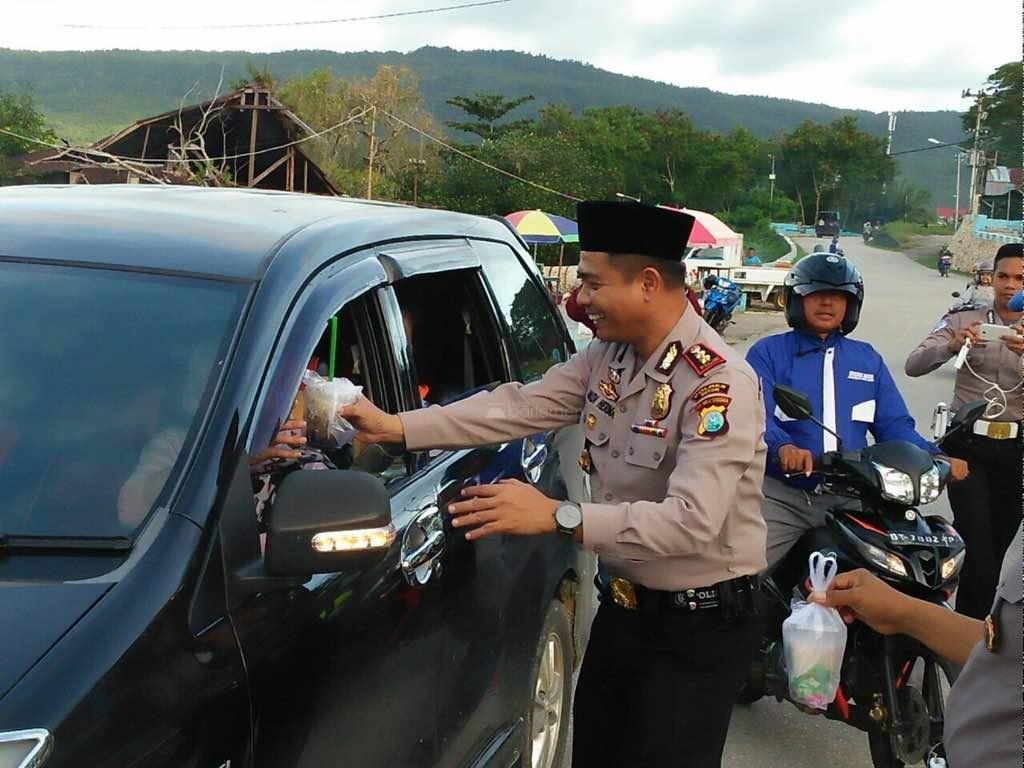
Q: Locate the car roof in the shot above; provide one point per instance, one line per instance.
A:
(226, 232)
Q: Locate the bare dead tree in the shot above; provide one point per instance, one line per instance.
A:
(188, 154)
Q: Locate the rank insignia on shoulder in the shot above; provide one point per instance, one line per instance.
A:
(608, 390)
(670, 358)
(661, 403)
(713, 421)
(703, 359)
(713, 388)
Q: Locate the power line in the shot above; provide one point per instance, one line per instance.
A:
(268, 25)
(925, 149)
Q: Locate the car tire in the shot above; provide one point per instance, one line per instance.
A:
(548, 708)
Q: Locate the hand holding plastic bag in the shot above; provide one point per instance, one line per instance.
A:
(324, 428)
(814, 638)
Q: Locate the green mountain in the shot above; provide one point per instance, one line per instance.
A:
(87, 95)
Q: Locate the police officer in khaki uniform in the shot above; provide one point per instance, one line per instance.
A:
(983, 713)
(987, 505)
(675, 454)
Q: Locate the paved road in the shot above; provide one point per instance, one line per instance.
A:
(903, 301)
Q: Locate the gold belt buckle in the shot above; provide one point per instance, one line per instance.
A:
(999, 430)
(623, 594)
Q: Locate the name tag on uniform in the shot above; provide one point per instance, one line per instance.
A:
(858, 376)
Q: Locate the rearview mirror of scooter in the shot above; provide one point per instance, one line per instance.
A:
(792, 402)
(966, 415)
(955, 294)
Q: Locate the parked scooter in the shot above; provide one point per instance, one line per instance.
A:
(892, 688)
(721, 297)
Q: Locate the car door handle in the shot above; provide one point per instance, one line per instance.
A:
(422, 547)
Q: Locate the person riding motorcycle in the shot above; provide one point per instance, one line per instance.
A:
(945, 261)
(980, 292)
(867, 230)
(849, 385)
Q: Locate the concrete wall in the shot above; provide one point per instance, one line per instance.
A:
(974, 242)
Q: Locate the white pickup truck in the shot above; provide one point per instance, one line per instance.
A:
(763, 283)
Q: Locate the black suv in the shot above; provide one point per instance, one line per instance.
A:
(154, 340)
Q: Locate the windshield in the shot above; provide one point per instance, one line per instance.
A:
(102, 376)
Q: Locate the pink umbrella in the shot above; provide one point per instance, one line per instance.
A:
(699, 235)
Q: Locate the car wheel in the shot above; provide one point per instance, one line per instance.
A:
(547, 714)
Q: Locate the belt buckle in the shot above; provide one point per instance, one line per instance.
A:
(623, 594)
(998, 430)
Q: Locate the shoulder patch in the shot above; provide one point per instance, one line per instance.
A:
(703, 359)
(713, 388)
(669, 359)
(712, 417)
(943, 323)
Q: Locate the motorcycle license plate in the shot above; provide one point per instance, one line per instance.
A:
(923, 539)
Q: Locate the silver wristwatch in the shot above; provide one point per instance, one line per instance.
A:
(568, 517)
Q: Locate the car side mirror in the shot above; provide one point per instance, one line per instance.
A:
(792, 402)
(324, 521)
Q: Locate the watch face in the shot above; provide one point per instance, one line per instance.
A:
(568, 516)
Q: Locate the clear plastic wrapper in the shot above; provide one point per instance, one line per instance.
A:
(322, 398)
(814, 638)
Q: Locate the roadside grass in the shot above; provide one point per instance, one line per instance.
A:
(800, 253)
(903, 232)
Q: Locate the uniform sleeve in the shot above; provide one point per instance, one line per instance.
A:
(701, 489)
(933, 351)
(774, 435)
(508, 412)
(892, 419)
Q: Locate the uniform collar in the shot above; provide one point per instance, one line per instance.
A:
(684, 333)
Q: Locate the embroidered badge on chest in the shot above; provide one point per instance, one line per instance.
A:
(714, 388)
(703, 359)
(661, 403)
(614, 376)
(590, 421)
(608, 390)
(592, 396)
(607, 408)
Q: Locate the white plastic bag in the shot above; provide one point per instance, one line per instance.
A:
(814, 638)
(322, 398)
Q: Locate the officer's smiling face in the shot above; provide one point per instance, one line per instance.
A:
(614, 302)
(824, 311)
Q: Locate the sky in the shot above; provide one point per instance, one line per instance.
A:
(870, 54)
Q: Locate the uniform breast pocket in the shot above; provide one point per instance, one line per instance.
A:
(863, 411)
(647, 451)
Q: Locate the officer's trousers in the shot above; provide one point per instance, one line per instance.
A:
(986, 513)
(657, 691)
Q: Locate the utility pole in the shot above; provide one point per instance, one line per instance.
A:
(956, 205)
(888, 146)
(771, 189)
(373, 149)
(979, 117)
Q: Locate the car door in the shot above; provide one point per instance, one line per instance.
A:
(343, 669)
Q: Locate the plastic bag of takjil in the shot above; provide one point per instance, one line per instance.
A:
(322, 398)
(814, 639)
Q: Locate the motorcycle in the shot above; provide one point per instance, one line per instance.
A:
(892, 688)
(720, 300)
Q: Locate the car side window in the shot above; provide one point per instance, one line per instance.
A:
(537, 339)
(452, 333)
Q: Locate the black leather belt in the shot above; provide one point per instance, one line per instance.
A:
(734, 598)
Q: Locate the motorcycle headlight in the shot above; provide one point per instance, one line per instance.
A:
(951, 566)
(896, 485)
(24, 749)
(885, 560)
(931, 485)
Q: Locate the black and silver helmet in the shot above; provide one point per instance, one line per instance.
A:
(823, 272)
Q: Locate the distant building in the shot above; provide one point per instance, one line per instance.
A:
(245, 138)
(945, 215)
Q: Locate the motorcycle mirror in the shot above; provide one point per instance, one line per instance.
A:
(969, 413)
(792, 402)
(956, 294)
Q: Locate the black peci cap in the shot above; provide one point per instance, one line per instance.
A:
(630, 227)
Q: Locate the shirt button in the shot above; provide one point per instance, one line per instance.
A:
(608, 497)
(622, 407)
(615, 454)
(602, 436)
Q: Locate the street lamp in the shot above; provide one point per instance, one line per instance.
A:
(960, 155)
(771, 189)
(627, 197)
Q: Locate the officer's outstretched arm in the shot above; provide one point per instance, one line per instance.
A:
(508, 412)
(719, 466)
(933, 351)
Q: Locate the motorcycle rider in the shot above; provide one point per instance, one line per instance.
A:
(849, 385)
(945, 261)
(866, 231)
(834, 246)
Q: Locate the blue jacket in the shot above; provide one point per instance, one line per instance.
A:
(850, 375)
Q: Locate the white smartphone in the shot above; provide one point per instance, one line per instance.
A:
(993, 332)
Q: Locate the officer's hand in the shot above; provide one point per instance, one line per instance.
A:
(793, 459)
(963, 335)
(510, 506)
(958, 469)
(861, 596)
(1014, 341)
(372, 424)
(293, 433)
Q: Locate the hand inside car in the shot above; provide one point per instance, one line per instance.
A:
(372, 424)
(509, 506)
(793, 459)
(293, 433)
